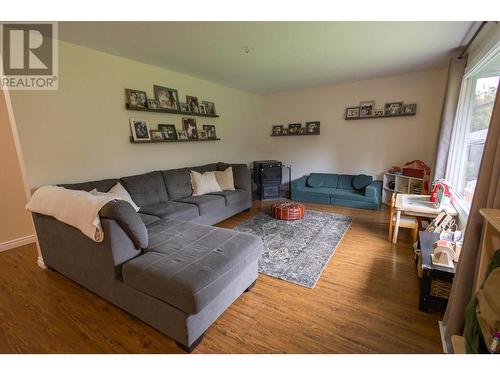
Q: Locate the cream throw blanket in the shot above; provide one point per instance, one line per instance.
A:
(77, 208)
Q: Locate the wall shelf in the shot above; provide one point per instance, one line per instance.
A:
(291, 135)
(384, 116)
(169, 111)
(174, 140)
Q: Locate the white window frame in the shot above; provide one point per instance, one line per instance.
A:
(460, 127)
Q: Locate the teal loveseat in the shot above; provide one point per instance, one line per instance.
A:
(338, 189)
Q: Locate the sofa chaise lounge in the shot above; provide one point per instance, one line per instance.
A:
(164, 264)
(338, 189)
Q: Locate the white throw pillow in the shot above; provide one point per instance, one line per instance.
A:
(225, 179)
(117, 192)
(204, 183)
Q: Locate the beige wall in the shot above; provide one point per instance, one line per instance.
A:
(15, 223)
(81, 131)
(362, 146)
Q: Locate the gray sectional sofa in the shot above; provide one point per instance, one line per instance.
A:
(165, 264)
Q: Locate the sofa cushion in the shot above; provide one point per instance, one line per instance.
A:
(361, 181)
(178, 210)
(178, 183)
(205, 168)
(350, 194)
(345, 181)
(125, 215)
(232, 196)
(225, 179)
(193, 266)
(316, 180)
(241, 175)
(206, 204)
(148, 219)
(100, 185)
(146, 189)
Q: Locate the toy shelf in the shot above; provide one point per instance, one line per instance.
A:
(396, 183)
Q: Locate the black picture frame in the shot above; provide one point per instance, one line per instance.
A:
(366, 108)
(168, 131)
(192, 102)
(277, 129)
(392, 108)
(189, 125)
(166, 95)
(136, 98)
(294, 128)
(313, 127)
(211, 132)
(409, 109)
(209, 108)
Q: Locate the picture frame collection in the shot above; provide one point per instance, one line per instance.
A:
(141, 131)
(296, 129)
(367, 109)
(166, 99)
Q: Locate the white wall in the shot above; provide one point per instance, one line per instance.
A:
(81, 131)
(361, 146)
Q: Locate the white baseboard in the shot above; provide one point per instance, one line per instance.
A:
(17, 242)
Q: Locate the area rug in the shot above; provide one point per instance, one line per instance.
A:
(297, 251)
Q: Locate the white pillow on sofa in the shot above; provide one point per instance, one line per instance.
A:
(225, 179)
(117, 192)
(204, 183)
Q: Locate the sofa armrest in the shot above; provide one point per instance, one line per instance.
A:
(300, 183)
(374, 190)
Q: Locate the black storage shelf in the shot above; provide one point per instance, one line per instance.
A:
(169, 111)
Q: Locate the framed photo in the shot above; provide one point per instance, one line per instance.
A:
(189, 125)
(202, 109)
(294, 128)
(167, 98)
(202, 134)
(192, 102)
(277, 129)
(352, 112)
(378, 112)
(181, 135)
(210, 129)
(184, 107)
(136, 98)
(366, 108)
(140, 129)
(209, 108)
(153, 104)
(284, 131)
(409, 109)
(392, 109)
(168, 131)
(156, 135)
(312, 127)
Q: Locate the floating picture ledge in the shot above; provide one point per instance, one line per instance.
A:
(383, 116)
(169, 111)
(174, 140)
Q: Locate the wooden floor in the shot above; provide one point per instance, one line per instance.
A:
(364, 302)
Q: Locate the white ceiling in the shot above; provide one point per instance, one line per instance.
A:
(283, 55)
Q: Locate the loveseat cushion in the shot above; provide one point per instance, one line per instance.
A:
(178, 182)
(350, 194)
(345, 181)
(146, 189)
(193, 265)
(328, 180)
(126, 216)
(206, 203)
(171, 209)
(361, 181)
(232, 196)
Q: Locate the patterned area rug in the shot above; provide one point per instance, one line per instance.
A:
(297, 251)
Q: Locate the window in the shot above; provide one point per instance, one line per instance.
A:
(471, 128)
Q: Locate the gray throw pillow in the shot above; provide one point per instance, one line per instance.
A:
(130, 221)
(361, 181)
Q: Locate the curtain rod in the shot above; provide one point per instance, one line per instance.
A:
(464, 51)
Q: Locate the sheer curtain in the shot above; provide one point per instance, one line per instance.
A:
(487, 195)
